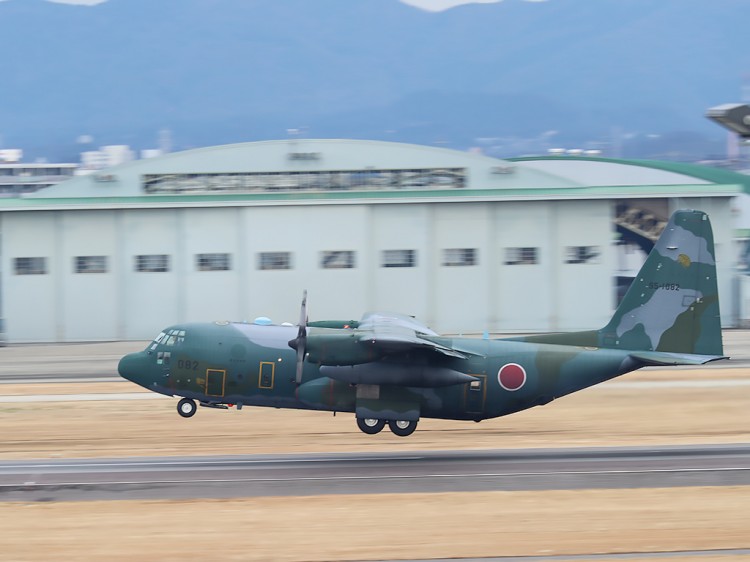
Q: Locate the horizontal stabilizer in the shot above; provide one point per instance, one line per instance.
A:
(663, 358)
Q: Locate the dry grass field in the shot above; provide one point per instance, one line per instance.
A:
(381, 527)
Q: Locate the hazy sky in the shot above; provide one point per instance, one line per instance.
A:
(87, 2)
(437, 5)
(432, 5)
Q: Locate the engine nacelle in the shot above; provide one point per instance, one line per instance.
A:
(382, 373)
(337, 348)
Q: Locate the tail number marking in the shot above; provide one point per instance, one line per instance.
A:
(664, 286)
(187, 364)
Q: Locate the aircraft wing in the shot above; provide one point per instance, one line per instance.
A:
(395, 333)
(388, 320)
(377, 336)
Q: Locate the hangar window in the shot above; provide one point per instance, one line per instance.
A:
(274, 260)
(457, 257)
(30, 266)
(521, 256)
(582, 254)
(337, 259)
(90, 264)
(153, 263)
(399, 258)
(317, 180)
(213, 262)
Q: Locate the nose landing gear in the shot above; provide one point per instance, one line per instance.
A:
(186, 407)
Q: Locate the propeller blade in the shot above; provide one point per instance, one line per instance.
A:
(303, 316)
(300, 343)
(300, 364)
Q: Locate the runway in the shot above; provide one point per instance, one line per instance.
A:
(320, 474)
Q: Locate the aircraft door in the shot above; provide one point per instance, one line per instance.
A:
(266, 372)
(475, 395)
(215, 379)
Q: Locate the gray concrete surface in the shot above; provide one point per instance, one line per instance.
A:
(374, 473)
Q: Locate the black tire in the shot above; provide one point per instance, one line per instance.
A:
(186, 408)
(402, 428)
(370, 426)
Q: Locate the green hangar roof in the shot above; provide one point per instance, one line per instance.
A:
(649, 170)
(344, 171)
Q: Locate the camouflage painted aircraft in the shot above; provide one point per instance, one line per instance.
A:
(390, 369)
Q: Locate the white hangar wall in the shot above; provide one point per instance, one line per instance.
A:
(122, 303)
(472, 243)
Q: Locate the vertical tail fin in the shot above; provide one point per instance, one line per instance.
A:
(673, 303)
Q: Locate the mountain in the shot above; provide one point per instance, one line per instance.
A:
(216, 71)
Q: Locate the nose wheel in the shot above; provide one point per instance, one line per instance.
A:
(186, 407)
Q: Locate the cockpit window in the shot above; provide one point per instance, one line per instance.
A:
(156, 341)
(168, 338)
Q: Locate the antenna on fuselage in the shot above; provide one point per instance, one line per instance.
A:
(300, 342)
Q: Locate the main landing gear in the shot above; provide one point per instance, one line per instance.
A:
(371, 426)
(402, 428)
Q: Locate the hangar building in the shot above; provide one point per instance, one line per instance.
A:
(465, 242)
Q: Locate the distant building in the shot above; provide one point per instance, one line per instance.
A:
(18, 178)
(465, 242)
(106, 157)
(10, 155)
(151, 153)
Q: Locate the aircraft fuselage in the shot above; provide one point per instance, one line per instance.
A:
(253, 365)
(390, 369)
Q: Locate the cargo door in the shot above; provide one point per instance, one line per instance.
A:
(215, 379)
(266, 372)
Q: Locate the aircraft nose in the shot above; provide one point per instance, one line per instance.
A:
(133, 367)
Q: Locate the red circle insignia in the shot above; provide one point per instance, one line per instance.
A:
(511, 376)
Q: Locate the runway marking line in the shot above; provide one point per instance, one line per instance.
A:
(197, 462)
(385, 477)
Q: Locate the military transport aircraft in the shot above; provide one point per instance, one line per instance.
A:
(390, 369)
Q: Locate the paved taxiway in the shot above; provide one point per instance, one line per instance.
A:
(316, 474)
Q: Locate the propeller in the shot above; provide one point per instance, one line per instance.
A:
(300, 342)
